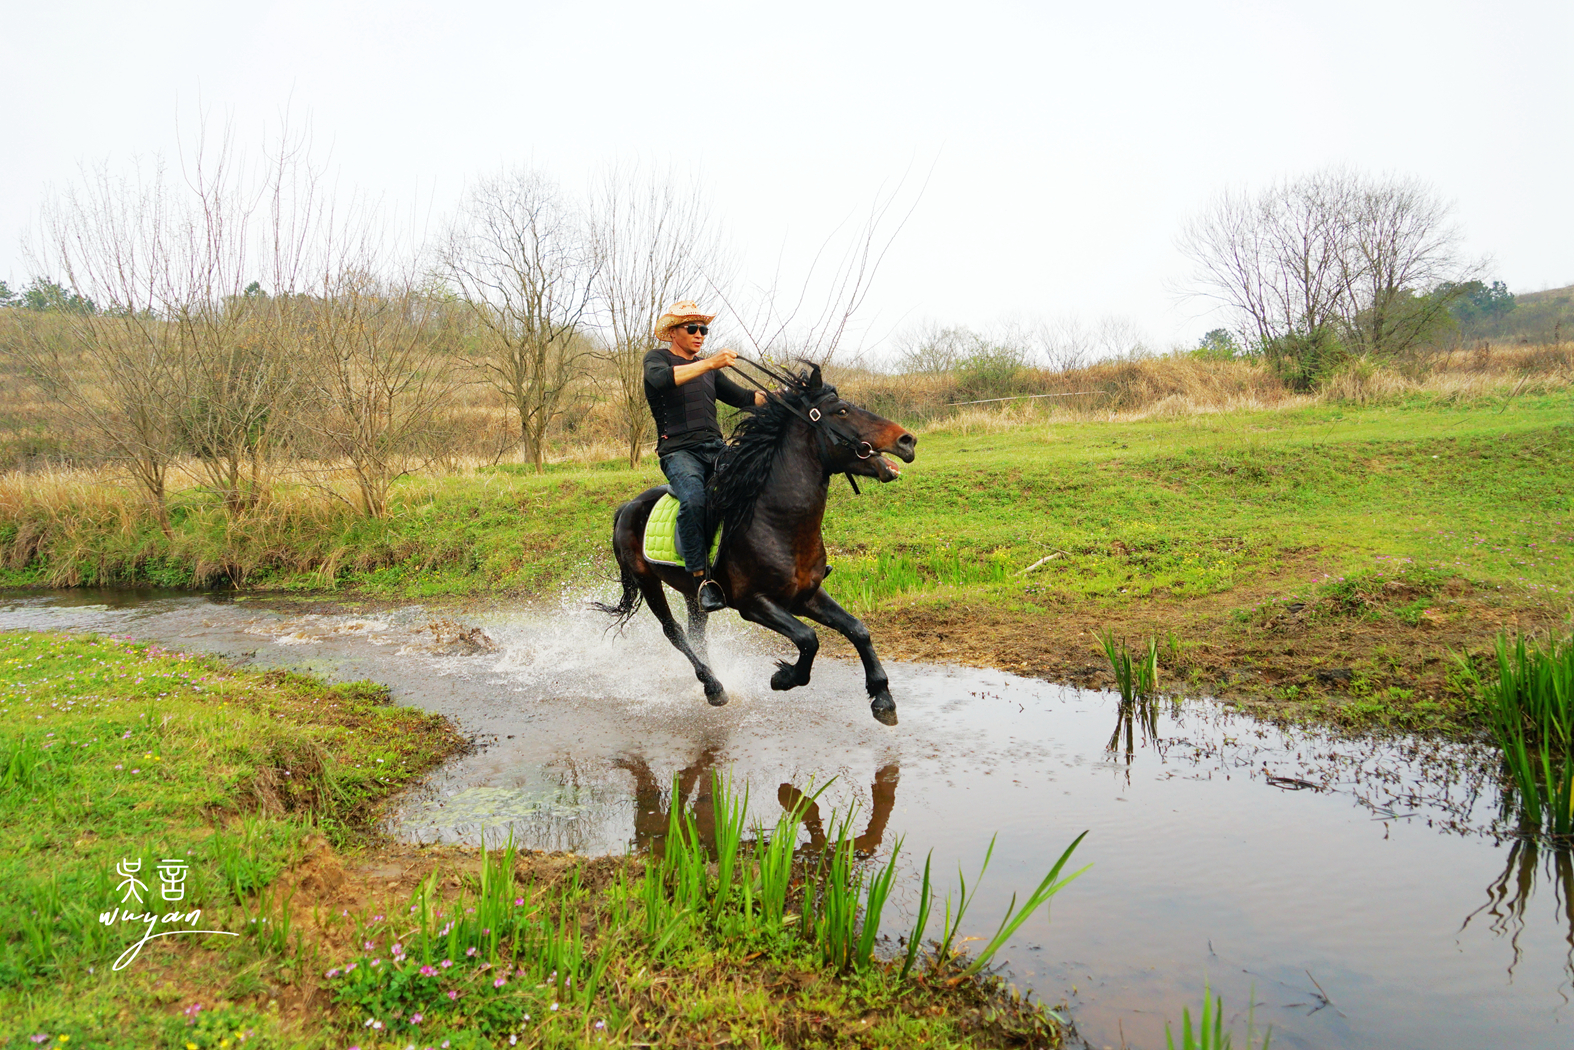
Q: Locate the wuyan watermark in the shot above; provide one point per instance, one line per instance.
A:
(172, 890)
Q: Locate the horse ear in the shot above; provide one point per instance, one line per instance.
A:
(815, 381)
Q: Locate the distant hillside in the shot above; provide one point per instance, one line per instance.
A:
(1535, 318)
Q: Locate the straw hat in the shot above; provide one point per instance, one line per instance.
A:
(684, 311)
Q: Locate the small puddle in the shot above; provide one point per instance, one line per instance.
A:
(1359, 892)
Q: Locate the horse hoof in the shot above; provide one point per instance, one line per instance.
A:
(716, 699)
(785, 678)
(884, 709)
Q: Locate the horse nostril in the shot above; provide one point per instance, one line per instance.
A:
(907, 442)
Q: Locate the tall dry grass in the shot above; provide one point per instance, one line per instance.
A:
(1182, 385)
(85, 526)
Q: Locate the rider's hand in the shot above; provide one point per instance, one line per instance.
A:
(722, 358)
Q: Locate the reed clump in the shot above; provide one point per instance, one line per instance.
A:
(1137, 676)
(1531, 712)
(517, 959)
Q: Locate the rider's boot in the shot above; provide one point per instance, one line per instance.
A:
(711, 597)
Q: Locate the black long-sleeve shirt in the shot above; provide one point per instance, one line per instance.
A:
(686, 415)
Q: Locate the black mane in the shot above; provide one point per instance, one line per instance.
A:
(743, 468)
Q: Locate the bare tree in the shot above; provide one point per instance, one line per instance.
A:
(183, 357)
(379, 370)
(522, 261)
(1334, 254)
(932, 348)
(243, 223)
(1401, 243)
(1276, 258)
(115, 369)
(654, 244)
(1063, 345)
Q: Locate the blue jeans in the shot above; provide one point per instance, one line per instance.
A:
(687, 471)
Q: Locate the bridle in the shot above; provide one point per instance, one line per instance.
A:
(816, 417)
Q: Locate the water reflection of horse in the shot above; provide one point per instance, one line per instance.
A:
(653, 802)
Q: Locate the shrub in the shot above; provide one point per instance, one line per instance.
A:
(1306, 360)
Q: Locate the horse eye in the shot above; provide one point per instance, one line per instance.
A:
(841, 412)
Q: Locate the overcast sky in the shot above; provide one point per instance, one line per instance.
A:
(1063, 144)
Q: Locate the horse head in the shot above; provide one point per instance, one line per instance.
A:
(860, 439)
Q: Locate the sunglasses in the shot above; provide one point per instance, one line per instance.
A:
(696, 329)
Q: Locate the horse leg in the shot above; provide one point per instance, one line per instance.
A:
(822, 608)
(766, 613)
(656, 599)
(697, 621)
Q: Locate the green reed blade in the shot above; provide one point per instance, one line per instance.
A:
(1051, 885)
(916, 938)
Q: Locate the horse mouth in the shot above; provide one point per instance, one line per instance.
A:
(884, 469)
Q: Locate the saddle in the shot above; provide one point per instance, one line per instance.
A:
(661, 533)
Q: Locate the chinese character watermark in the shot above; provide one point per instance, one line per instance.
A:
(172, 876)
(172, 887)
(130, 886)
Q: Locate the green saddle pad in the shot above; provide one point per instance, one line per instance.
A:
(661, 533)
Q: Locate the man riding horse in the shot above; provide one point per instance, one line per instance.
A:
(767, 486)
(682, 389)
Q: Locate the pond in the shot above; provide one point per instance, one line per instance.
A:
(1359, 892)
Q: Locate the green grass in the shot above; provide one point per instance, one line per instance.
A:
(1203, 504)
(1190, 506)
(124, 755)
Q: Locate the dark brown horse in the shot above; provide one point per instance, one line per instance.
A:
(769, 493)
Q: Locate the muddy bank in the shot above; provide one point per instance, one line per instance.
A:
(1383, 658)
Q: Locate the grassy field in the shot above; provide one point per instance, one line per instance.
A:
(1321, 560)
(252, 798)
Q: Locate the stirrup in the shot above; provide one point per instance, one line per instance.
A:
(711, 597)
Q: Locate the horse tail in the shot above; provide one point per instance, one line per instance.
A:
(632, 597)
